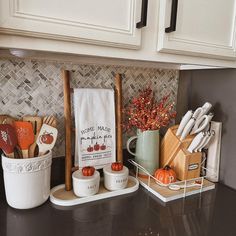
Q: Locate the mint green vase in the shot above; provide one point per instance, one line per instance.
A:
(147, 150)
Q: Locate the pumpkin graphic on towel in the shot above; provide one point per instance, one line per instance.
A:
(103, 147)
(90, 149)
(96, 147)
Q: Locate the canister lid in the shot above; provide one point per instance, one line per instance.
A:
(79, 175)
(107, 169)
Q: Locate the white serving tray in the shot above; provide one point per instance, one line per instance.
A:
(61, 197)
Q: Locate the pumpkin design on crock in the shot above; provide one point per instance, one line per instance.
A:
(165, 175)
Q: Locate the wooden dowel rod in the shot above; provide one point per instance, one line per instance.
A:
(68, 121)
(119, 139)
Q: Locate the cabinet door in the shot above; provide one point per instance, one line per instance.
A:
(103, 22)
(203, 27)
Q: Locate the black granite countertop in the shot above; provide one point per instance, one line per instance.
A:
(140, 213)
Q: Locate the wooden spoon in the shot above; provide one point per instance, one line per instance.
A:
(25, 136)
(37, 124)
(8, 139)
(46, 139)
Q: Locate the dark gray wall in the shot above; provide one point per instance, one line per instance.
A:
(219, 88)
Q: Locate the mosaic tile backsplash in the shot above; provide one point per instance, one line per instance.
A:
(34, 87)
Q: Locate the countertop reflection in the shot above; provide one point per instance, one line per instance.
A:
(139, 213)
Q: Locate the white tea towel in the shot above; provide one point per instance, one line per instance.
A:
(95, 127)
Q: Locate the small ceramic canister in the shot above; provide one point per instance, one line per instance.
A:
(115, 180)
(84, 186)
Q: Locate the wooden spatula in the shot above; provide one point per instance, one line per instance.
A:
(25, 136)
(37, 124)
(46, 139)
(8, 139)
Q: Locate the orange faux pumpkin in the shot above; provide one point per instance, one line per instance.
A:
(165, 175)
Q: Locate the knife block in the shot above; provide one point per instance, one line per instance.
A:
(174, 153)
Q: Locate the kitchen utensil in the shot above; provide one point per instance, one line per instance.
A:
(17, 152)
(190, 123)
(36, 123)
(198, 113)
(8, 139)
(202, 123)
(196, 141)
(187, 129)
(177, 187)
(184, 122)
(5, 119)
(25, 136)
(46, 138)
(205, 109)
(50, 120)
(207, 140)
(2, 118)
(196, 149)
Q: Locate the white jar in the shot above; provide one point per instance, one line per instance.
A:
(84, 186)
(27, 181)
(115, 180)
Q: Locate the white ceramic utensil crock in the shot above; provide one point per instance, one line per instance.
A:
(115, 180)
(27, 181)
(84, 186)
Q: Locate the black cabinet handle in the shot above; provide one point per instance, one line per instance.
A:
(143, 21)
(173, 17)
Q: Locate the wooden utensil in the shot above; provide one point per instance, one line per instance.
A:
(8, 139)
(37, 124)
(5, 119)
(46, 139)
(50, 120)
(25, 136)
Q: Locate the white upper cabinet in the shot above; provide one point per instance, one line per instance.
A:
(202, 28)
(102, 22)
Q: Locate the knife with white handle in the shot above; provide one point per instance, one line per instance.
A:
(184, 122)
(210, 136)
(202, 144)
(187, 129)
(190, 123)
(196, 141)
